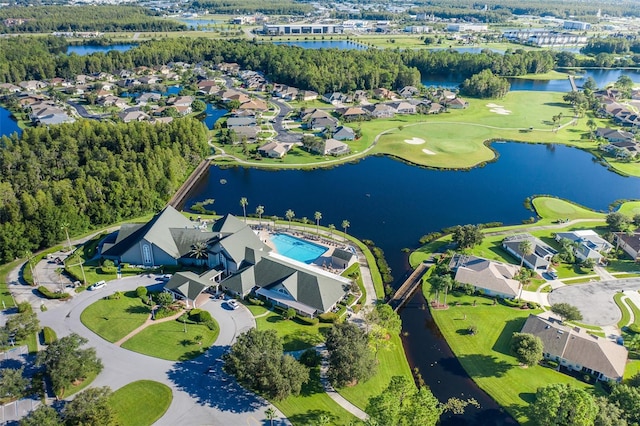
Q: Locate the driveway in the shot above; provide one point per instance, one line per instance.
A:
(595, 300)
(198, 397)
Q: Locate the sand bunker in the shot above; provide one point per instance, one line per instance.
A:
(493, 106)
(426, 151)
(415, 141)
(500, 111)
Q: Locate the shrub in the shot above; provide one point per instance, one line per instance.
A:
(310, 358)
(48, 335)
(307, 320)
(256, 302)
(115, 296)
(24, 307)
(329, 317)
(141, 292)
(211, 325)
(472, 330)
(193, 314)
(635, 328)
(163, 313)
(356, 308)
(50, 295)
(532, 305)
(204, 317)
(511, 302)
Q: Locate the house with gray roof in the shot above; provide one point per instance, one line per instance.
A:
(629, 243)
(290, 284)
(188, 286)
(487, 276)
(540, 257)
(344, 133)
(588, 244)
(167, 239)
(577, 350)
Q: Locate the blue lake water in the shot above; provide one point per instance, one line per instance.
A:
(213, 114)
(88, 50)
(296, 248)
(7, 124)
(602, 77)
(393, 204)
(172, 90)
(468, 49)
(203, 24)
(325, 44)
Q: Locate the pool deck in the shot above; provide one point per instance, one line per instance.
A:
(324, 261)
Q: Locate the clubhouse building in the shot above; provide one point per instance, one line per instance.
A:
(236, 260)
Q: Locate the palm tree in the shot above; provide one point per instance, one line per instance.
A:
(305, 220)
(270, 414)
(275, 220)
(317, 216)
(591, 123)
(345, 225)
(332, 228)
(260, 212)
(244, 203)
(525, 250)
(289, 215)
(65, 227)
(199, 251)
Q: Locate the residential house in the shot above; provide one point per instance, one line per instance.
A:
(344, 133)
(538, 260)
(308, 114)
(589, 245)
(254, 105)
(613, 135)
(184, 101)
(446, 95)
(629, 243)
(322, 123)
(487, 276)
(403, 107)
(249, 133)
(147, 97)
(352, 113)
(150, 79)
(331, 147)
(380, 110)
(576, 350)
(229, 68)
(409, 92)
(274, 149)
(9, 88)
(627, 149)
(307, 95)
(32, 85)
(457, 103)
(361, 96)
(133, 115)
(111, 100)
(241, 121)
(384, 94)
(167, 239)
(337, 98)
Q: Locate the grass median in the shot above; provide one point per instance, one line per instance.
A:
(113, 319)
(140, 403)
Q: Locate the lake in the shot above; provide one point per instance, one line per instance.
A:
(602, 77)
(393, 204)
(89, 49)
(202, 24)
(213, 114)
(324, 44)
(7, 124)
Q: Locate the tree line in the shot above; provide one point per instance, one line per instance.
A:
(45, 19)
(89, 174)
(281, 7)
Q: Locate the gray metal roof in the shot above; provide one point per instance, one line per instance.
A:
(188, 284)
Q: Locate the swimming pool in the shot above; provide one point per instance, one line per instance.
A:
(296, 248)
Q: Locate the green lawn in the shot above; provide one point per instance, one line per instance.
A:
(557, 208)
(630, 208)
(391, 362)
(167, 340)
(626, 315)
(633, 368)
(485, 356)
(296, 336)
(256, 310)
(73, 389)
(140, 403)
(312, 403)
(114, 319)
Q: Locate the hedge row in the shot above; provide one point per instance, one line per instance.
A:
(50, 295)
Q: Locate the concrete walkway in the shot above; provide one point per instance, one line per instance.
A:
(603, 273)
(146, 324)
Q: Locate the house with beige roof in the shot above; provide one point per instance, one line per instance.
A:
(487, 276)
(577, 350)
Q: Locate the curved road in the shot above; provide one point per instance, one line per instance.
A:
(82, 111)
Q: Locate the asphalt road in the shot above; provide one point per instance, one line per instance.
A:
(595, 300)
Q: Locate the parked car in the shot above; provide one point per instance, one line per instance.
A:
(233, 304)
(553, 274)
(98, 285)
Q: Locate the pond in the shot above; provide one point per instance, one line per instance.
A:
(393, 204)
(200, 24)
(7, 123)
(602, 77)
(324, 44)
(212, 114)
(89, 49)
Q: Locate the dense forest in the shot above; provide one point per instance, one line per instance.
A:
(617, 45)
(46, 19)
(499, 10)
(319, 70)
(89, 174)
(281, 7)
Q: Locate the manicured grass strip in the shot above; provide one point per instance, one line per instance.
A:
(486, 355)
(391, 362)
(295, 336)
(556, 208)
(73, 389)
(256, 310)
(114, 319)
(140, 403)
(626, 315)
(167, 340)
(312, 403)
(630, 208)
(632, 368)
(635, 310)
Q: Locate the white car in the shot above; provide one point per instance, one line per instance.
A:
(98, 285)
(233, 304)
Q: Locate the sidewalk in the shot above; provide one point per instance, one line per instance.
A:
(146, 324)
